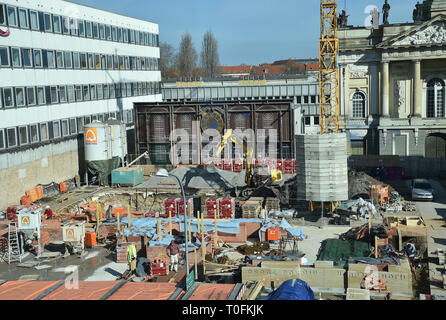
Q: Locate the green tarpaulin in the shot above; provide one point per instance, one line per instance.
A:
(339, 251)
(104, 168)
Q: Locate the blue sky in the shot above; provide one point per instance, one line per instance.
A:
(248, 31)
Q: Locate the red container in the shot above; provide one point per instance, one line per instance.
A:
(212, 207)
(171, 205)
(288, 166)
(227, 208)
(227, 164)
(279, 164)
(63, 187)
(238, 165)
(218, 163)
(160, 267)
(190, 205)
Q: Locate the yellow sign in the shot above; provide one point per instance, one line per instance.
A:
(25, 220)
(91, 135)
(69, 233)
(251, 82)
(190, 84)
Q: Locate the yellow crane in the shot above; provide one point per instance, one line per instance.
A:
(328, 68)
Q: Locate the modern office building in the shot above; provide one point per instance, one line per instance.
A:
(64, 65)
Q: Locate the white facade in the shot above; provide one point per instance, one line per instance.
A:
(24, 76)
(62, 66)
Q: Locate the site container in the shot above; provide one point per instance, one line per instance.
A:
(238, 165)
(160, 267)
(190, 205)
(273, 234)
(227, 208)
(127, 176)
(212, 207)
(171, 205)
(90, 239)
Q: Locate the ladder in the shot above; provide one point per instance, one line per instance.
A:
(13, 253)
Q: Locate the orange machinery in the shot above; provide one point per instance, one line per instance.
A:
(379, 194)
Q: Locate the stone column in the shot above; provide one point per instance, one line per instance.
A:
(385, 91)
(417, 90)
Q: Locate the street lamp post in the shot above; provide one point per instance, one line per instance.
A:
(164, 173)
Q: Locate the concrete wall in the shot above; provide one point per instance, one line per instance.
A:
(43, 165)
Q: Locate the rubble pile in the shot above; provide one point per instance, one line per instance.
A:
(359, 185)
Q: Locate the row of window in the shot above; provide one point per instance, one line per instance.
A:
(44, 95)
(41, 132)
(46, 22)
(51, 59)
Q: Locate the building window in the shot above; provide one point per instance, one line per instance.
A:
(34, 133)
(109, 62)
(23, 135)
(108, 32)
(59, 59)
(103, 62)
(114, 35)
(88, 29)
(44, 132)
(100, 92)
(81, 26)
(76, 60)
(84, 60)
(80, 125)
(2, 18)
(51, 60)
(101, 117)
(65, 129)
(12, 137)
(73, 26)
(27, 58)
(31, 95)
(95, 31)
(78, 93)
(97, 61)
(70, 94)
(316, 120)
(40, 95)
(8, 100)
(357, 147)
(119, 34)
(85, 93)
(12, 16)
(115, 62)
(90, 61)
(106, 92)
(56, 24)
(56, 129)
(23, 18)
(4, 57)
(68, 61)
(34, 20)
(93, 92)
(101, 31)
(65, 25)
(2, 132)
(20, 97)
(54, 96)
(435, 98)
(307, 121)
(37, 58)
(62, 94)
(112, 91)
(358, 105)
(15, 53)
(87, 120)
(48, 25)
(125, 35)
(73, 129)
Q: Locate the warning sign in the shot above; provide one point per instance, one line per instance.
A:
(25, 221)
(70, 233)
(91, 135)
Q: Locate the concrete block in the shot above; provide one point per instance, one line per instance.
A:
(323, 264)
(357, 294)
(280, 264)
(359, 267)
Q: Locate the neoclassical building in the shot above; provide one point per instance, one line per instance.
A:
(393, 81)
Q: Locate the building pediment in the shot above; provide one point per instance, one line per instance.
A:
(430, 33)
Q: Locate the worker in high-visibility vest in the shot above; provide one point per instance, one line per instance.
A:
(131, 258)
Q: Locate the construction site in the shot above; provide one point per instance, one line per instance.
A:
(300, 225)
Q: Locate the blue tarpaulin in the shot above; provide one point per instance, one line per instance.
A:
(295, 289)
(272, 223)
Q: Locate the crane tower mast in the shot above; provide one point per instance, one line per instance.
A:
(328, 68)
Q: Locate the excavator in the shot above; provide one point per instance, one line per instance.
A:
(256, 177)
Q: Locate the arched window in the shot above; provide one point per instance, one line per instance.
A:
(435, 98)
(358, 107)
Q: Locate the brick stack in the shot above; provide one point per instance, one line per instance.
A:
(227, 208)
(212, 207)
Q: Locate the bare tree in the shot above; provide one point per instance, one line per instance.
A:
(209, 55)
(187, 56)
(167, 60)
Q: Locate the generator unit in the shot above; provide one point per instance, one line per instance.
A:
(29, 221)
(74, 237)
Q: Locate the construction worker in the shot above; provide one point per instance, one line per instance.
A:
(172, 251)
(131, 258)
(48, 213)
